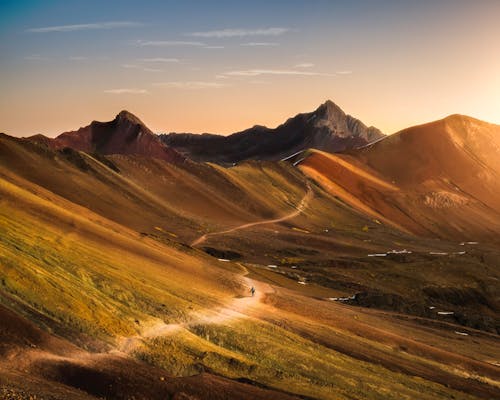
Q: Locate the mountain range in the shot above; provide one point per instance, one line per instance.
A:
(127, 259)
(407, 179)
(327, 128)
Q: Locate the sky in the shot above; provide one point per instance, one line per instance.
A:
(224, 66)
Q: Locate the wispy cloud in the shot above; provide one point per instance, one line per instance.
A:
(304, 65)
(126, 91)
(213, 47)
(226, 33)
(78, 58)
(160, 60)
(263, 44)
(34, 57)
(146, 69)
(259, 72)
(346, 72)
(168, 43)
(190, 85)
(86, 27)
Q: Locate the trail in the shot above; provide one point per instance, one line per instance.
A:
(298, 210)
(232, 310)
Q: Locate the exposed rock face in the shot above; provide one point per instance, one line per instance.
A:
(126, 134)
(328, 128)
(444, 199)
(335, 122)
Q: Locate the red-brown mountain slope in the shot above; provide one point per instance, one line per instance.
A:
(126, 134)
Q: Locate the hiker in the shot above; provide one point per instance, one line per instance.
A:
(252, 290)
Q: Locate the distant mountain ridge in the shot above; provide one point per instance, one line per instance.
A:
(327, 128)
(126, 134)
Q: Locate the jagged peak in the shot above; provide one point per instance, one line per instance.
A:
(331, 116)
(330, 109)
(125, 115)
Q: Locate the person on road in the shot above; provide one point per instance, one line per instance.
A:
(252, 290)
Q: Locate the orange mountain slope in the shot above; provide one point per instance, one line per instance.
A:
(441, 178)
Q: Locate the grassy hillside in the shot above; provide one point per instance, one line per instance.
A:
(104, 297)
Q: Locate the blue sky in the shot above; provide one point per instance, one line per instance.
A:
(222, 66)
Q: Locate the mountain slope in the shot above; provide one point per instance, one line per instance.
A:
(95, 250)
(97, 283)
(328, 128)
(441, 178)
(126, 134)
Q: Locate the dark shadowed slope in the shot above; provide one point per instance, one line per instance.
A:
(126, 134)
(328, 128)
(441, 178)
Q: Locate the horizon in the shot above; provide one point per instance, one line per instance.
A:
(116, 114)
(222, 68)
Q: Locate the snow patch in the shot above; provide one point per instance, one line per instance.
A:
(404, 251)
(353, 297)
(298, 162)
(292, 155)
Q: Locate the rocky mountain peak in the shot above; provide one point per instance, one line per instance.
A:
(330, 110)
(125, 117)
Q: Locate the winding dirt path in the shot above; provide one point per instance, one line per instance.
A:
(298, 210)
(234, 309)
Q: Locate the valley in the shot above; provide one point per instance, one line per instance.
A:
(126, 262)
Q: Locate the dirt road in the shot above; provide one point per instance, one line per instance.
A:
(302, 205)
(233, 309)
